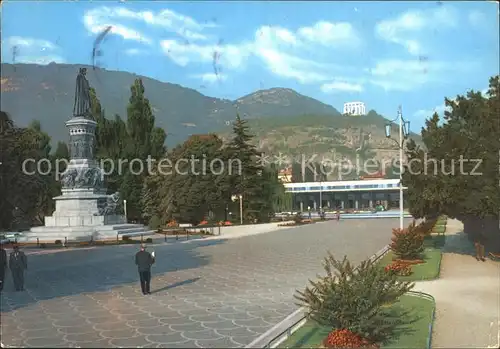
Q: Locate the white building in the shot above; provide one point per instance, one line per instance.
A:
(354, 108)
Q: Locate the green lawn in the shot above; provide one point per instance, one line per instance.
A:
(417, 334)
(439, 229)
(425, 271)
(414, 335)
(436, 241)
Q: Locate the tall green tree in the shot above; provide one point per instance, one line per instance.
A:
(250, 178)
(144, 141)
(20, 183)
(193, 183)
(111, 139)
(50, 187)
(458, 174)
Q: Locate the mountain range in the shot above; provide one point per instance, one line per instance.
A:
(279, 117)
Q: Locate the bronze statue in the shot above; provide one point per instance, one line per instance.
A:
(82, 106)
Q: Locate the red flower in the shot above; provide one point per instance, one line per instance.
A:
(346, 339)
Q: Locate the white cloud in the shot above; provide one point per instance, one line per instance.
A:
(283, 52)
(405, 75)
(427, 113)
(408, 29)
(230, 56)
(327, 33)
(97, 19)
(31, 50)
(440, 109)
(341, 86)
(134, 52)
(210, 77)
(288, 66)
(276, 36)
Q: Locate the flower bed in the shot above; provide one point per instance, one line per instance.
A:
(427, 267)
(310, 335)
(399, 268)
(346, 339)
(294, 224)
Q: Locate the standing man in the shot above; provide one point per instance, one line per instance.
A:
(144, 260)
(3, 265)
(18, 263)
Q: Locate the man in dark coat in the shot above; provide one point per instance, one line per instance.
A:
(144, 260)
(18, 263)
(3, 266)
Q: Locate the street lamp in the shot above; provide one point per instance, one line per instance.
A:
(236, 197)
(321, 195)
(404, 132)
(125, 210)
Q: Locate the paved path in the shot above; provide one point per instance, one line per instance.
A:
(207, 293)
(467, 296)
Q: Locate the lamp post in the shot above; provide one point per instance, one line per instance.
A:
(404, 131)
(320, 196)
(125, 210)
(240, 197)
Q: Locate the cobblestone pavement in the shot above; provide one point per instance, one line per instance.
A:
(216, 293)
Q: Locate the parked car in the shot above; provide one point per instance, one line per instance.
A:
(9, 237)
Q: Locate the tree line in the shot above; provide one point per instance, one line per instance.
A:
(152, 198)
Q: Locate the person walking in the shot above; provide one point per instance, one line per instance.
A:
(3, 266)
(479, 241)
(144, 260)
(18, 263)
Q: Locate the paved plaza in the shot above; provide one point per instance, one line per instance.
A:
(206, 293)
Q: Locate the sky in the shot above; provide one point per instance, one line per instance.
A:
(384, 54)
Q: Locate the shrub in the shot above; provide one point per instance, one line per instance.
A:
(346, 339)
(354, 299)
(407, 243)
(154, 222)
(297, 218)
(149, 240)
(126, 238)
(58, 242)
(399, 268)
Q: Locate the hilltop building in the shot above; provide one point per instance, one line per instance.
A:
(354, 108)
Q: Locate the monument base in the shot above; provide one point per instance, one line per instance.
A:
(79, 217)
(85, 233)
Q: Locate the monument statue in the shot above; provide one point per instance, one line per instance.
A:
(82, 106)
(111, 206)
(83, 210)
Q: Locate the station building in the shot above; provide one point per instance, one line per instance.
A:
(357, 194)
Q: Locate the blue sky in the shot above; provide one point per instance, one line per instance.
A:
(381, 53)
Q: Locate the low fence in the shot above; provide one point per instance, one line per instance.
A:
(431, 323)
(283, 330)
(181, 232)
